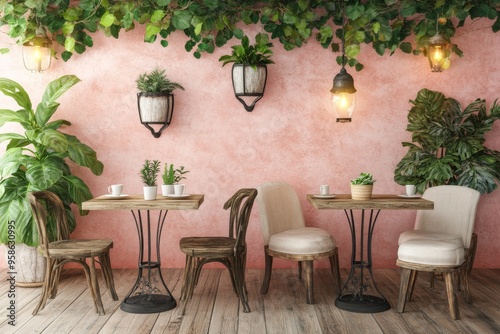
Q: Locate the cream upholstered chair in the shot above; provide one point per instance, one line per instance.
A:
(442, 242)
(231, 251)
(287, 237)
(65, 250)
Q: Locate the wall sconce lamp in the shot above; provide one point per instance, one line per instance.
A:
(249, 81)
(343, 91)
(37, 52)
(438, 53)
(156, 109)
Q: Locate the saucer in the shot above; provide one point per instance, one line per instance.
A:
(324, 196)
(412, 196)
(110, 196)
(177, 196)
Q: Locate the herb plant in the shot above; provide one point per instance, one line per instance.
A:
(172, 175)
(149, 172)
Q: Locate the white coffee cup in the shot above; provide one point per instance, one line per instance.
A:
(115, 189)
(324, 189)
(410, 189)
(179, 189)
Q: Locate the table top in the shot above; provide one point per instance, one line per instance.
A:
(137, 202)
(382, 201)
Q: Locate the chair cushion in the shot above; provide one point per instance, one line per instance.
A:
(428, 235)
(431, 252)
(306, 240)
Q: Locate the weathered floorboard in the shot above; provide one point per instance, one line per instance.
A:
(215, 308)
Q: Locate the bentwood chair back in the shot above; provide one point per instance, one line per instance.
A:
(442, 242)
(46, 205)
(286, 236)
(231, 251)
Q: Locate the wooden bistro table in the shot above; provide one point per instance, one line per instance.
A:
(357, 291)
(149, 294)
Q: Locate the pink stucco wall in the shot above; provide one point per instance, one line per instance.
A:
(291, 135)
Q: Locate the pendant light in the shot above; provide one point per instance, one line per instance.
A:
(343, 91)
(438, 52)
(37, 52)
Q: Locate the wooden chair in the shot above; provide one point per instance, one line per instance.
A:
(442, 242)
(65, 250)
(231, 251)
(287, 237)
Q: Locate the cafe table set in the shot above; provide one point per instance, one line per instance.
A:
(359, 292)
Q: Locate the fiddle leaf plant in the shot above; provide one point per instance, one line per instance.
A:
(37, 160)
(448, 144)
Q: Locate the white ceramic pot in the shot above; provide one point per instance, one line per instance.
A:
(167, 189)
(150, 192)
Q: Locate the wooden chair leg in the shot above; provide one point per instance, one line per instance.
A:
(107, 274)
(45, 287)
(239, 278)
(464, 281)
(334, 265)
(187, 277)
(404, 288)
(309, 282)
(411, 285)
(267, 273)
(94, 287)
(452, 297)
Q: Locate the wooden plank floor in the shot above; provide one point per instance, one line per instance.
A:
(215, 308)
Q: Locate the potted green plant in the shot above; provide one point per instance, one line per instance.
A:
(37, 160)
(448, 144)
(149, 173)
(362, 187)
(155, 99)
(171, 176)
(249, 70)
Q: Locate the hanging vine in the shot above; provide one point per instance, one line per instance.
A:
(386, 25)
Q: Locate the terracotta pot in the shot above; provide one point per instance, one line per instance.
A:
(361, 191)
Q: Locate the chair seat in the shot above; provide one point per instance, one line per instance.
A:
(78, 248)
(431, 252)
(207, 246)
(429, 235)
(306, 240)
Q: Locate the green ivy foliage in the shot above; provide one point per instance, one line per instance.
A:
(386, 25)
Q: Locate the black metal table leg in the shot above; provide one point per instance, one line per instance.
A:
(150, 294)
(357, 294)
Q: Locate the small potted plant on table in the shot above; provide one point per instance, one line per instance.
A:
(362, 187)
(170, 177)
(149, 173)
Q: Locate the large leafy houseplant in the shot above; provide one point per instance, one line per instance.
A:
(37, 160)
(447, 145)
